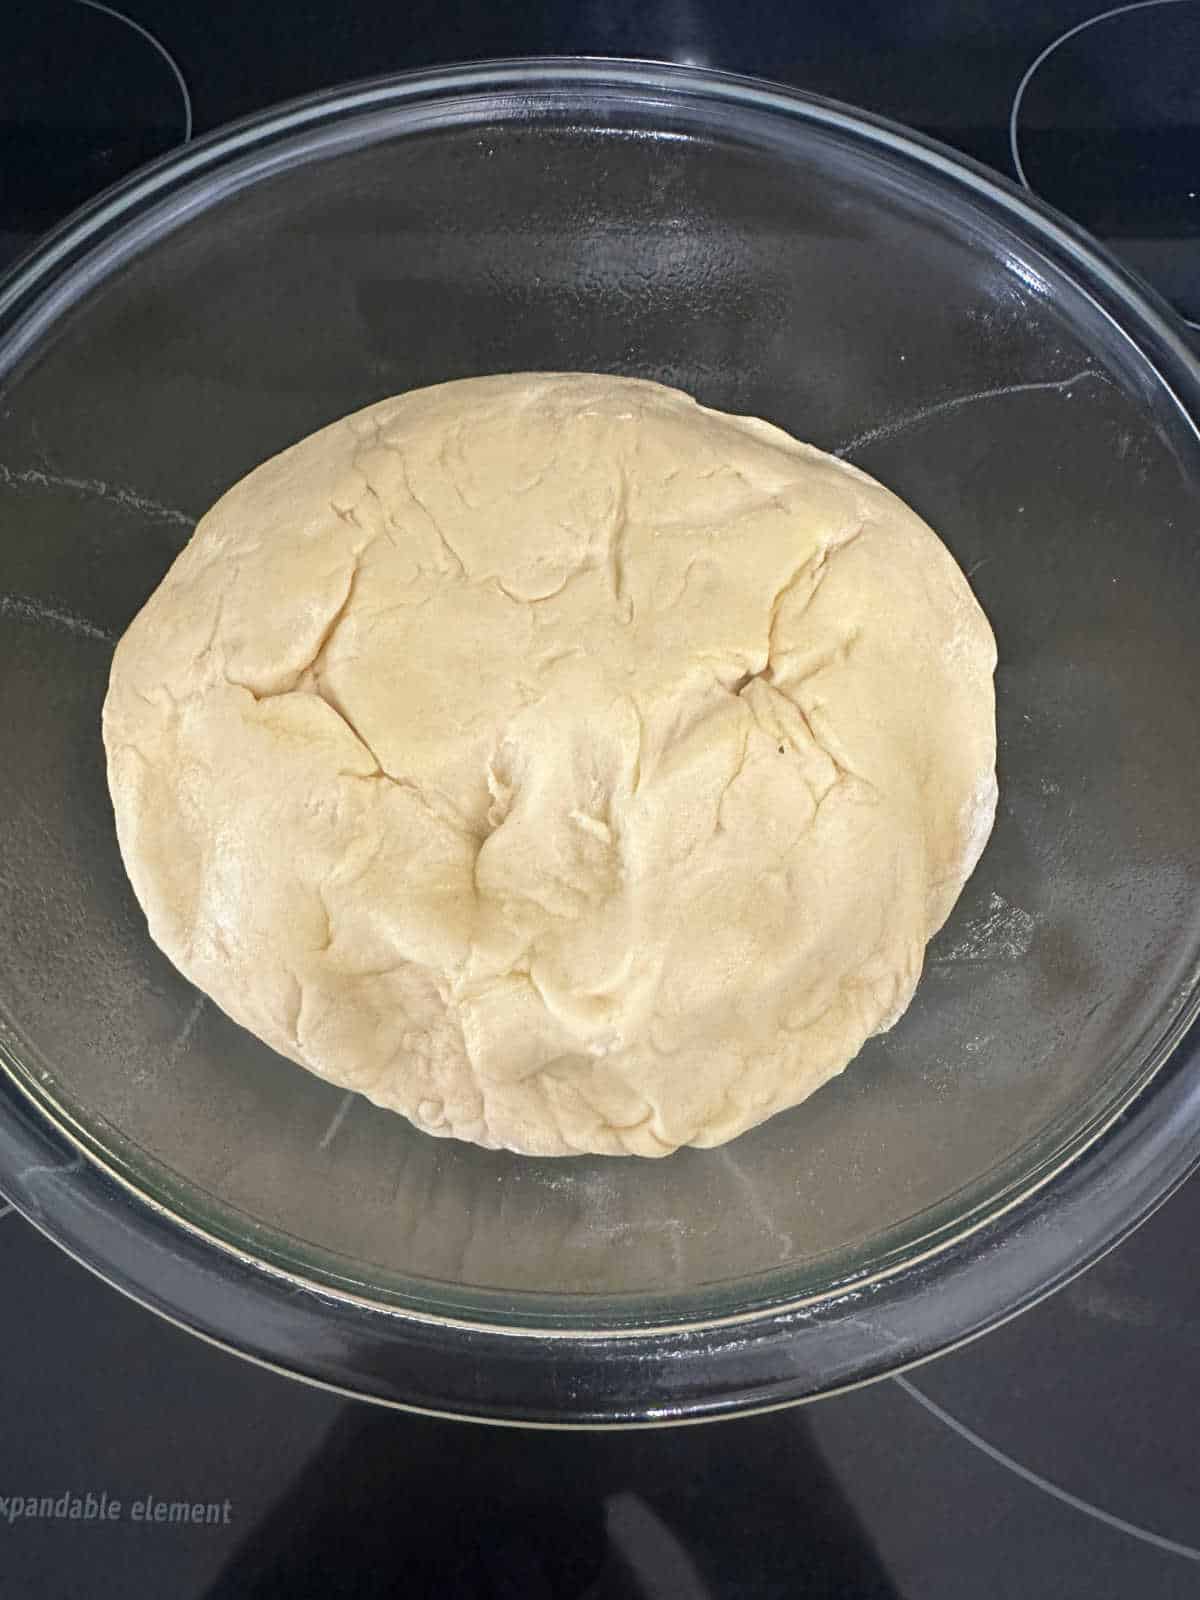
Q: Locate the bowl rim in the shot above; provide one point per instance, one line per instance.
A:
(1001, 1262)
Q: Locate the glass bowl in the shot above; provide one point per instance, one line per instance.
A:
(772, 254)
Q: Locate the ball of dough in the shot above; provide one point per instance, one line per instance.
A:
(555, 761)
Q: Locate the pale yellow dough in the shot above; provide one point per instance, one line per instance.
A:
(555, 761)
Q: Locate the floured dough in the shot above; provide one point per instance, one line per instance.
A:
(555, 761)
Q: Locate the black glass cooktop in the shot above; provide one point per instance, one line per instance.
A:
(1058, 1456)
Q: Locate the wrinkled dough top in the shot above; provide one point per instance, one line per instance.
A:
(560, 763)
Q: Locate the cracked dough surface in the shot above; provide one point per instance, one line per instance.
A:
(555, 761)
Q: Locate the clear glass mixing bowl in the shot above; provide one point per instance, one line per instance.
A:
(771, 254)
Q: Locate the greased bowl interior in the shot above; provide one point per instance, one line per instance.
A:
(772, 255)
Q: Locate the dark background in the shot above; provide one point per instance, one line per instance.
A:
(1058, 1457)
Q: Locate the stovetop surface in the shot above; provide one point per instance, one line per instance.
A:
(1058, 1456)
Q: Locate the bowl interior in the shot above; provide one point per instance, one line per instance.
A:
(780, 267)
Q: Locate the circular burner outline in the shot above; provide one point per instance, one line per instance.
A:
(160, 48)
(1014, 115)
(1047, 1486)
